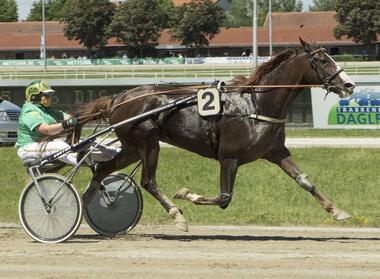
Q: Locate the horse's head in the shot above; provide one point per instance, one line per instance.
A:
(324, 69)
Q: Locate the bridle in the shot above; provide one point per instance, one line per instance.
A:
(323, 75)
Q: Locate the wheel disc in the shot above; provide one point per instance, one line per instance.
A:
(123, 214)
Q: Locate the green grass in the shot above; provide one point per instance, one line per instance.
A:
(311, 132)
(307, 132)
(263, 193)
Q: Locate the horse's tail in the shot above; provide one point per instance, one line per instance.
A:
(94, 110)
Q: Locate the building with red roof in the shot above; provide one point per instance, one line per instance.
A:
(22, 40)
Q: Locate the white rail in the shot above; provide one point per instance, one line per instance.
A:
(188, 71)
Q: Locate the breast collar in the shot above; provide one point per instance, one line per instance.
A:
(257, 116)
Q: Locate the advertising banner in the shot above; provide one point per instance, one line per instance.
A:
(134, 61)
(360, 111)
(226, 60)
(84, 62)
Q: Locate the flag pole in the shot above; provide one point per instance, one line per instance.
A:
(254, 35)
(270, 29)
(43, 43)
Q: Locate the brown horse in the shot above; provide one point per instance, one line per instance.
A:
(250, 127)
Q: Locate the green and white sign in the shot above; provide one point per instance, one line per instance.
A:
(84, 62)
(360, 110)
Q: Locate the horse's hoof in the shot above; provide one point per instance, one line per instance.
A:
(179, 220)
(342, 216)
(181, 194)
(182, 226)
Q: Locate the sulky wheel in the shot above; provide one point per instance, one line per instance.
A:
(116, 207)
(51, 211)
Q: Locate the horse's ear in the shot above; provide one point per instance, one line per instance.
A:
(305, 45)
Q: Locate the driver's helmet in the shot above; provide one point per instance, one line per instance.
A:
(34, 90)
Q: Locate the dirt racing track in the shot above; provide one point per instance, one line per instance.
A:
(203, 252)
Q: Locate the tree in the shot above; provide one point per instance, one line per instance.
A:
(59, 9)
(35, 13)
(169, 10)
(286, 6)
(358, 19)
(87, 22)
(277, 6)
(323, 5)
(240, 13)
(54, 10)
(138, 23)
(8, 10)
(197, 22)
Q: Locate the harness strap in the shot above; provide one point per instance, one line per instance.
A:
(334, 75)
(312, 53)
(213, 130)
(267, 119)
(254, 100)
(214, 135)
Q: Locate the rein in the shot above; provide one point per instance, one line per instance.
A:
(111, 110)
(274, 86)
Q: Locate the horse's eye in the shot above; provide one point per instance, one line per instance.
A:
(323, 60)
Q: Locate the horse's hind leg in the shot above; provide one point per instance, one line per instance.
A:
(284, 160)
(149, 154)
(123, 159)
(228, 170)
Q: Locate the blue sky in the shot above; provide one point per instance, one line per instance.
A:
(25, 5)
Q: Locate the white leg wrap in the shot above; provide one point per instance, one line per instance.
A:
(193, 197)
(304, 182)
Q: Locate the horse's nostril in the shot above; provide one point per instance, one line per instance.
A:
(349, 85)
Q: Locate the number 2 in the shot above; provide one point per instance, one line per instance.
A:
(210, 96)
(208, 101)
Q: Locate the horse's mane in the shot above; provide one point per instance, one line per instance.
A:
(268, 67)
(237, 80)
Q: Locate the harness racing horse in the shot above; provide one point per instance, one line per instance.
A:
(250, 127)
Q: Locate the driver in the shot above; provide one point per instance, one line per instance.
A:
(38, 120)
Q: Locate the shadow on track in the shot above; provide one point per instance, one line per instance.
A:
(253, 238)
(142, 236)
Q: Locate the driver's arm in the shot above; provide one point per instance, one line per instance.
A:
(54, 129)
(34, 121)
(50, 130)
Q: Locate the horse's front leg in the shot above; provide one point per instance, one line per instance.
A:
(228, 170)
(285, 161)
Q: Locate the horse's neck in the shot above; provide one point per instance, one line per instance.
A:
(276, 102)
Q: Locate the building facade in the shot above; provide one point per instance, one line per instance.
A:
(22, 40)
